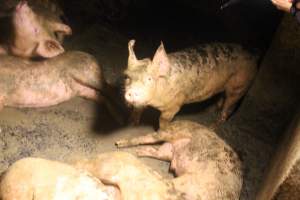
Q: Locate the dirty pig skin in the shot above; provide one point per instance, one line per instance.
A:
(37, 30)
(169, 81)
(206, 168)
(31, 84)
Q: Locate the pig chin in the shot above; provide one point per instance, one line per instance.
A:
(136, 103)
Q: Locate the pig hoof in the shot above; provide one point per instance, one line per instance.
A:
(121, 143)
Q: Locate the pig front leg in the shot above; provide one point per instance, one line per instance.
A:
(151, 138)
(165, 152)
(167, 116)
(135, 116)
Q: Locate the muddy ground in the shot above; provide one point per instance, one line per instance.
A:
(81, 128)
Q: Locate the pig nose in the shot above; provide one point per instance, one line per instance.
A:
(130, 95)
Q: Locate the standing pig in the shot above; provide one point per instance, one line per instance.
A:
(193, 75)
(205, 166)
(36, 31)
(26, 83)
(40, 179)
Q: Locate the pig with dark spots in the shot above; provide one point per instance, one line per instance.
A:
(193, 75)
(37, 31)
(40, 179)
(206, 167)
(32, 84)
(135, 180)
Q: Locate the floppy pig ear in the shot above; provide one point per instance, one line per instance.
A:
(49, 49)
(161, 61)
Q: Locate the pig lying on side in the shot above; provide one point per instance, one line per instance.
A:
(40, 179)
(36, 31)
(32, 84)
(193, 75)
(135, 180)
(205, 166)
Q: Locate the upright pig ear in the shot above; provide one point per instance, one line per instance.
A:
(49, 49)
(132, 61)
(161, 62)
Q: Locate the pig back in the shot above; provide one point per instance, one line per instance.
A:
(203, 71)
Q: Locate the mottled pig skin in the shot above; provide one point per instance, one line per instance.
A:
(37, 30)
(193, 75)
(41, 179)
(206, 168)
(136, 180)
(34, 84)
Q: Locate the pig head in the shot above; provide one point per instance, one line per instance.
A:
(36, 32)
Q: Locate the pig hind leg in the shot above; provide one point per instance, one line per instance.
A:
(235, 89)
(164, 152)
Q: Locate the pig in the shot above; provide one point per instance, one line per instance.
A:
(33, 84)
(169, 81)
(40, 179)
(206, 168)
(136, 180)
(36, 31)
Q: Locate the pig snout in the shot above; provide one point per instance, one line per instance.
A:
(136, 96)
(131, 96)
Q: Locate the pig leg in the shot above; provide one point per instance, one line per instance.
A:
(220, 103)
(151, 138)
(92, 94)
(165, 152)
(2, 51)
(135, 116)
(1, 102)
(167, 116)
(232, 96)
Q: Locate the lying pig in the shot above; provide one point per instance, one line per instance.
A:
(135, 180)
(36, 31)
(26, 83)
(169, 81)
(205, 166)
(40, 179)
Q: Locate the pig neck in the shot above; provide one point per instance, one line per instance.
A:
(167, 90)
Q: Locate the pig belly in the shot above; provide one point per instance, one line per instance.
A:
(40, 97)
(201, 92)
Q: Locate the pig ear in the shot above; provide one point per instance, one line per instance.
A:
(161, 62)
(49, 49)
(132, 61)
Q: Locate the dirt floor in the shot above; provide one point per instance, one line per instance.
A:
(81, 128)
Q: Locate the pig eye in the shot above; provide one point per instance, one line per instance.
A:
(127, 80)
(149, 79)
